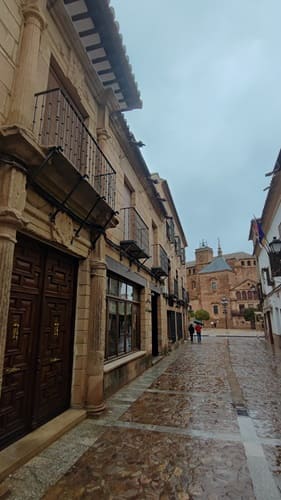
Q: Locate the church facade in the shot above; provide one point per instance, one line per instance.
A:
(224, 285)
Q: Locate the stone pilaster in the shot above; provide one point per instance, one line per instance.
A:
(22, 104)
(96, 341)
(145, 320)
(102, 137)
(12, 202)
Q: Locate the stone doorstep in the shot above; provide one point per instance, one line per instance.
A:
(20, 452)
(4, 492)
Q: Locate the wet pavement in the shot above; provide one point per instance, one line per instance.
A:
(203, 423)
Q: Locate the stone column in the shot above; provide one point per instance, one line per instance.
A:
(102, 137)
(145, 320)
(96, 342)
(12, 203)
(22, 104)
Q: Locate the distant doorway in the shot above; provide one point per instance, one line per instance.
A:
(154, 318)
(269, 327)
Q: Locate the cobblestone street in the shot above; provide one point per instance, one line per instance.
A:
(203, 423)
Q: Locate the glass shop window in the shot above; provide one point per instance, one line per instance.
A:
(123, 318)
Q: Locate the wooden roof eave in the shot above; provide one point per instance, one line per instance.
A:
(104, 17)
(272, 202)
(61, 18)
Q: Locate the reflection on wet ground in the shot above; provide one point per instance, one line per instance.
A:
(148, 465)
(174, 433)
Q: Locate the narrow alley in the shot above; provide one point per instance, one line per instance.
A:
(203, 423)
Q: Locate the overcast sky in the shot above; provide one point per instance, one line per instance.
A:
(209, 73)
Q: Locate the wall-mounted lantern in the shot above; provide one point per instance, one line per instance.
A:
(274, 254)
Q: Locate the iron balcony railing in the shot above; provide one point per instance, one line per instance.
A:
(182, 255)
(177, 242)
(176, 288)
(56, 122)
(160, 264)
(170, 229)
(135, 234)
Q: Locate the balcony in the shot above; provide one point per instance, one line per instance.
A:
(182, 255)
(170, 229)
(58, 124)
(135, 242)
(177, 243)
(160, 266)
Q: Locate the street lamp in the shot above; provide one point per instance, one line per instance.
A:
(224, 303)
(274, 254)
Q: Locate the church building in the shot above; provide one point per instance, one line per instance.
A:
(223, 285)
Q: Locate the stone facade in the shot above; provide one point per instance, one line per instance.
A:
(74, 187)
(231, 276)
(268, 263)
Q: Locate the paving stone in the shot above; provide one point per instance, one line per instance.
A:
(174, 433)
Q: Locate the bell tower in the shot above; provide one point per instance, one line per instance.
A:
(203, 254)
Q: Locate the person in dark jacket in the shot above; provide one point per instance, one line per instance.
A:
(191, 331)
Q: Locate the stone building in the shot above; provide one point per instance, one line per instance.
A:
(266, 236)
(91, 246)
(232, 277)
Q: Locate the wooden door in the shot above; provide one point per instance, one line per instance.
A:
(154, 321)
(36, 386)
(54, 355)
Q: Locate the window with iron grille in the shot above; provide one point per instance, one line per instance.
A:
(170, 230)
(216, 309)
(178, 245)
(176, 288)
(213, 285)
(183, 255)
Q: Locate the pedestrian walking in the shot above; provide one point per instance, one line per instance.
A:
(191, 331)
(198, 329)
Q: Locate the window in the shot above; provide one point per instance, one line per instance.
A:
(249, 262)
(193, 284)
(238, 295)
(123, 316)
(216, 309)
(244, 295)
(241, 308)
(177, 243)
(250, 295)
(176, 287)
(170, 230)
(213, 285)
(242, 263)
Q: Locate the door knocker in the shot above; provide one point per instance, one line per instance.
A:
(56, 328)
(15, 330)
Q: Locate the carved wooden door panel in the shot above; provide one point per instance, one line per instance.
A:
(38, 355)
(55, 349)
(23, 324)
